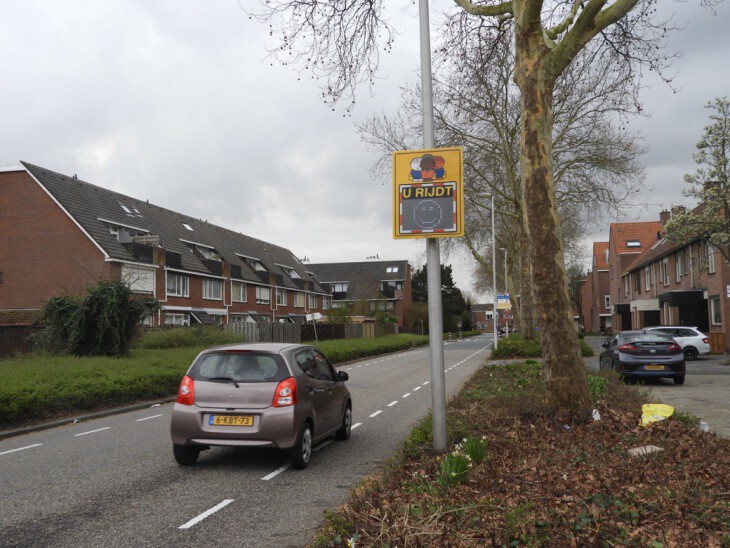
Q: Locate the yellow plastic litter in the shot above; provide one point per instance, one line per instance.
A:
(653, 412)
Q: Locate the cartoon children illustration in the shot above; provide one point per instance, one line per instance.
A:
(427, 168)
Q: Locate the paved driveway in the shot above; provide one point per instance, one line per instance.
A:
(705, 393)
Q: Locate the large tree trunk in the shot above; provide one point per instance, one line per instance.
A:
(527, 302)
(568, 397)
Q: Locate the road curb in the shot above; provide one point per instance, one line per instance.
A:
(80, 418)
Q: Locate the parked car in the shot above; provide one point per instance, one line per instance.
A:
(691, 339)
(285, 396)
(634, 354)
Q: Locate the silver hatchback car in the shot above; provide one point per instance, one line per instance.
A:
(285, 396)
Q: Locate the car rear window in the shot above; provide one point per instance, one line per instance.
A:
(240, 366)
(653, 336)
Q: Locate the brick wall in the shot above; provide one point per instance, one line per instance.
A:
(42, 252)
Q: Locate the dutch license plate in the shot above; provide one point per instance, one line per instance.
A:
(230, 420)
(654, 367)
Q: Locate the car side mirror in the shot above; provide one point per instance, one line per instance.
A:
(342, 376)
(604, 344)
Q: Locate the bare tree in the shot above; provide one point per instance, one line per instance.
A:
(477, 106)
(341, 40)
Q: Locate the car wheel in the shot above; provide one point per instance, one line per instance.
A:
(301, 453)
(690, 353)
(344, 432)
(185, 455)
(679, 380)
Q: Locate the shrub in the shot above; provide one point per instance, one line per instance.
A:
(515, 346)
(184, 337)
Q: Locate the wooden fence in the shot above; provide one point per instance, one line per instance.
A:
(267, 331)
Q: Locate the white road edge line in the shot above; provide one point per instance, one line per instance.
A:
(406, 395)
(376, 413)
(93, 431)
(148, 418)
(416, 388)
(205, 514)
(276, 472)
(391, 404)
(21, 448)
(356, 425)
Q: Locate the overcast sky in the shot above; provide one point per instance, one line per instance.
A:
(174, 101)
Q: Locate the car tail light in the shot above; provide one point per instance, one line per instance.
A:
(627, 347)
(704, 340)
(186, 392)
(285, 393)
(674, 347)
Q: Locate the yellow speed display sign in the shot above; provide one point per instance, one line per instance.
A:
(428, 193)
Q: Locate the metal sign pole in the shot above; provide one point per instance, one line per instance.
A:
(433, 265)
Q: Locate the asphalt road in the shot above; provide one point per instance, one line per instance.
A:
(704, 394)
(113, 481)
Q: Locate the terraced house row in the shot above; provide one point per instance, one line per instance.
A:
(59, 234)
(641, 279)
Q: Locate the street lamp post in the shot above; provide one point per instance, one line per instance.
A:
(506, 290)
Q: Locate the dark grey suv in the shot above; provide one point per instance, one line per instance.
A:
(285, 396)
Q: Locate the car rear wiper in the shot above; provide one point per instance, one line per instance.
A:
(224, 379)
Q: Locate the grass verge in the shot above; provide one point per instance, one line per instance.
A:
(537, 483)
(515, 346)
(40, 387)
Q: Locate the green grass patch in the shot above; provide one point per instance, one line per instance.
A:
(516, 346)
(41, 387)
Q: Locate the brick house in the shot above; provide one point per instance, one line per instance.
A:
(482, 316)
(375, 285)
(626, 243)
(60, 234)
(596, 292)
(684, 284)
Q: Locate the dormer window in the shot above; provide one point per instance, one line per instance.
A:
(126, 209)
(391, 270)
(633, 243)
(293, 274)
(205, 251)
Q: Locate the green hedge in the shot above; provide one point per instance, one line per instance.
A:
(184, 337)
(515, 346)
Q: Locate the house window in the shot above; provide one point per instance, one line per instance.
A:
(177, 286)
(281, 296)
(238, 292)
(715, 312)
(212, 289)
(633, 243)
(626, 286)
(312, 301)
(256, 264)
(607, 301)
(637, 281)
(326, 302)
(208, 253)
(647, 278)
(391, 269)
(290, 272)
(188, 227)
(339, 287)
(665, 271)
(679, 265)
(139, 280)
(263, 295)
(298, 299)
(177, 319)
(710, 258)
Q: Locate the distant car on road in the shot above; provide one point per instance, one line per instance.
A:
(691, 339)
(285, 396)
(635, 354)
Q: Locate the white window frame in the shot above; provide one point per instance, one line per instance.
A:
(299, 299)
(715, 310)
(139, 280)
(340, 287)
(212, 289)
(177, 319)
(312, 301)
(391, 270)
(710, 258)
(665, 271)
(326, 302)
(679, 265)
(607, 302)
(182, 285)
(263, 294)
(280, 296)
(647, 278)
(238, 292)
(626, 286)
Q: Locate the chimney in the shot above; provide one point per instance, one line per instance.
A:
(664, 216)
(678, 210)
